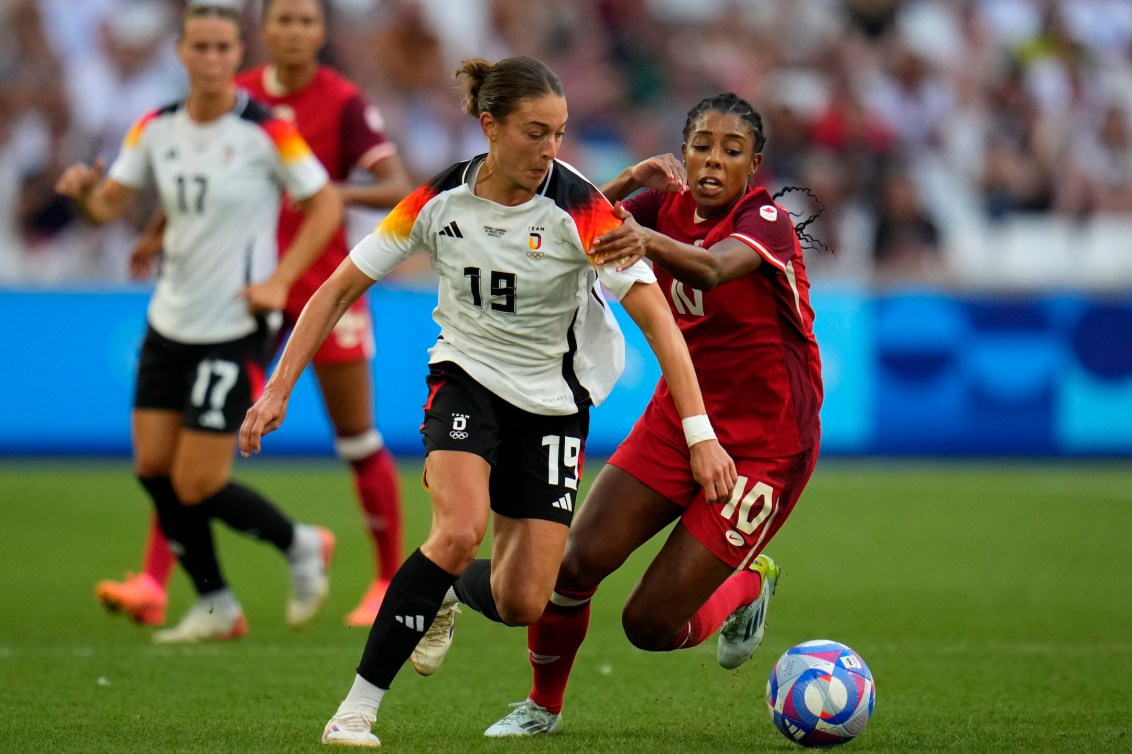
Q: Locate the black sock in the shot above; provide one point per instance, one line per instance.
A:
(413, 597)
(189, 533)
(474, 589)
(250, 513)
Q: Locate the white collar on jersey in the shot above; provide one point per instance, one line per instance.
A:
(472, 171)
(271, 83)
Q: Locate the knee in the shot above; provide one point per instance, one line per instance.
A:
(644, 631)
(576, 574)
(520, 611)
(453, 548)
(195, 489)
(150, 468)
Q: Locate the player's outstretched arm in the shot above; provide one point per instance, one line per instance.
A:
(99, 199)
(323, 216)
(318, 318)
(712, 467)
(390, 185)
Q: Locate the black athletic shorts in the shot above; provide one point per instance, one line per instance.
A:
(211, 384)
(536, 460)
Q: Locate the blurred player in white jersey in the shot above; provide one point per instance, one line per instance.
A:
(220, 163)
(527, 344)
(345, 133)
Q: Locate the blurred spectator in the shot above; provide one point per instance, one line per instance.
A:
(992, 108)
(1098, 170)
(907, 243)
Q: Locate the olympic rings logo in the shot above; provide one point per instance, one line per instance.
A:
(458, 435)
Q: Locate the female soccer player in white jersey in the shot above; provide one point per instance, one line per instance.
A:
(220, 163)
(526, 345)
(345, 133)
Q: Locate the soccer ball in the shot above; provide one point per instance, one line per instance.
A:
(820, 694)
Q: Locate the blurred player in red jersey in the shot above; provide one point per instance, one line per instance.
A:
(730, 263)
(345, 133)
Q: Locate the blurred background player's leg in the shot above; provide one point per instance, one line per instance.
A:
(348, 394)
(142, 597)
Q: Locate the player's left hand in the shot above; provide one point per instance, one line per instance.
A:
(624, 246)
(268, 296)
(714, 470)
(265, 416)
(663, 172)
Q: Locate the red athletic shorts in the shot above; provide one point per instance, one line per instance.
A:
(350, 340)
(735, 531)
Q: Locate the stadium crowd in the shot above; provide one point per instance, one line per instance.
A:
(913, 121)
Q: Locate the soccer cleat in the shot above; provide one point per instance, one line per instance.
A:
(140, 598)
(743, 630)
(434, 645)
(309, 582)
(351, 729)
(526, 719)
(364, 614)
(205, 621)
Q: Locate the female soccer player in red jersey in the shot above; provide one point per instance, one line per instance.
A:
(345, 133)
(731, 266)
(220, 162)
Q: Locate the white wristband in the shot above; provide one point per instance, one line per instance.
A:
(697, 429)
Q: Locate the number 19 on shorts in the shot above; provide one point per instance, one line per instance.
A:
(562, 456)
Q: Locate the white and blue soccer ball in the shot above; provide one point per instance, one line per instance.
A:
(820, 694)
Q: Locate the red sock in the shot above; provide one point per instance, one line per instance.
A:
(739, 589)
(553, 641)
(379, 494)
(158, 560)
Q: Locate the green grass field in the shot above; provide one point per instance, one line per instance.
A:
(992, 603)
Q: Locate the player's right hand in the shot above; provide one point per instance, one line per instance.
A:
(265, 416)
(80, 179)
(663, 172)
(713, 468)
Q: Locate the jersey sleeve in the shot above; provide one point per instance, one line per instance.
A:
(397, 237)
(593, 215)
(299, 170)
(645, 207)
(766, 228)
(364, 141)
(131, 167)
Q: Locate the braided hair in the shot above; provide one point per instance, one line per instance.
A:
(729, 103)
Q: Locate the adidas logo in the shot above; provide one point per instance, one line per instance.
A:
(415, 622)
(452, 230)
(566, 502)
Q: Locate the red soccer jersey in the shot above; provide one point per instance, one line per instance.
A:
(342, 130)
(751, 339)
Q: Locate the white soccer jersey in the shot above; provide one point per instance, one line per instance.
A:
(519, 307)
(220, 185)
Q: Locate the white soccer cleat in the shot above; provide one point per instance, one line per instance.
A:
(206, 621)
(434, 645)
(526, 719)
(309, 560)
(742, 632)
(351, 729)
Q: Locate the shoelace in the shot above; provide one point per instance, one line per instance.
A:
(355, 722)
(528, 710)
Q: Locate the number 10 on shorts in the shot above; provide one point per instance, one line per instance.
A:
(754, 506)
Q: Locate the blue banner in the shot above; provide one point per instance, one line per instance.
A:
(908, 373)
